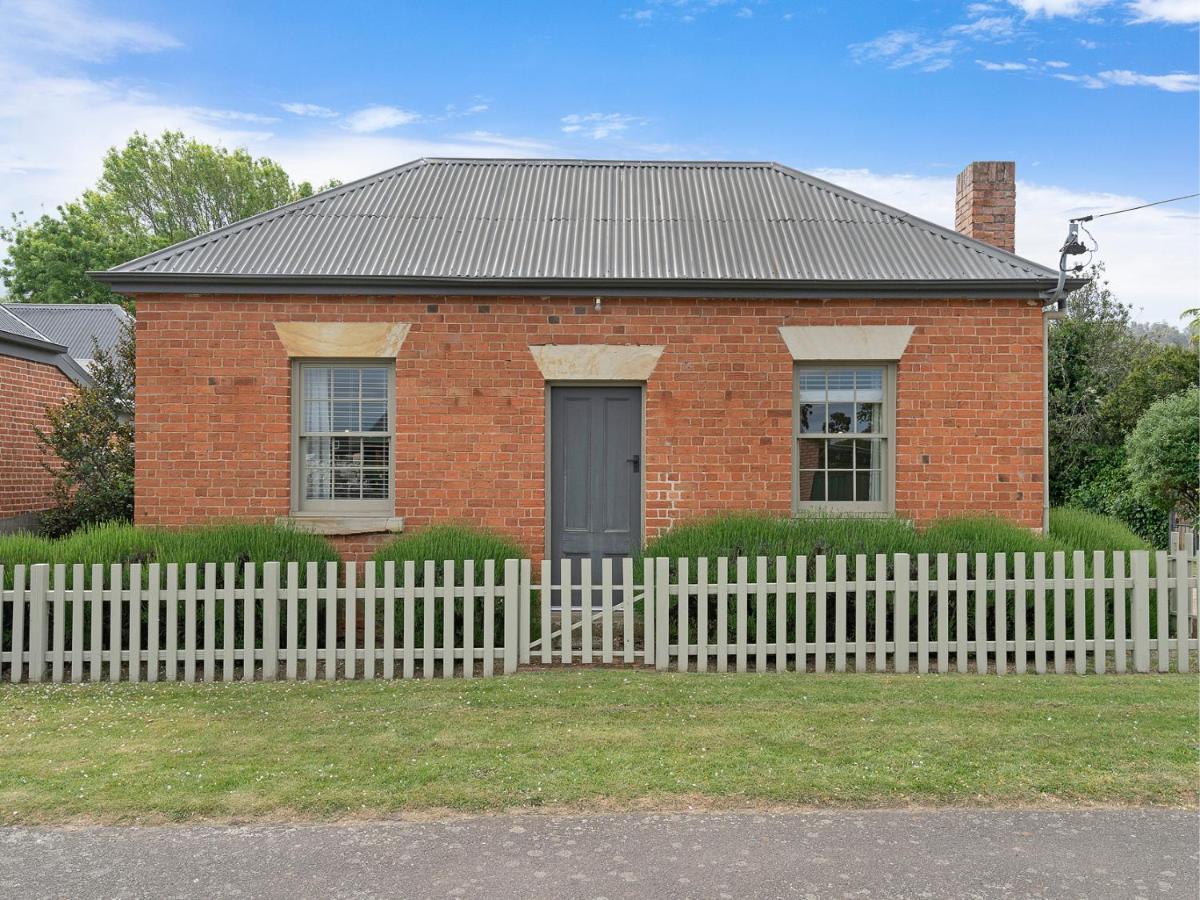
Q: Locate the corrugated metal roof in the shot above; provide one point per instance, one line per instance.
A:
(74, 325)
(12, 326)
(580, 220)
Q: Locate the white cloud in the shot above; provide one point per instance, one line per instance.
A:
(1002, 66)
(67, 28)
(1173, 12)
(518, 146)
(310, 110)
(745, 12)
(902, 49)
(378, 118)
(1176, 82)
(986, 27)
(599, 126)
(1052, 8)
(1087, 81)
(1057, 64)
(1152, 255)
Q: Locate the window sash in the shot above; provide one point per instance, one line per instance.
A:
(355, 461)
(842, 437)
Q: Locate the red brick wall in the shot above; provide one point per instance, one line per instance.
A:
(26, 389)
(213, 404)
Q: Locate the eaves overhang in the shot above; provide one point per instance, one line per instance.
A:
(45, 352)
(167, 283)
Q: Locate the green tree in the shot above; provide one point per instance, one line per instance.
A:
(1161, 372)
(1091, 353)
(90, 444)
(1164, 454)
(151, 193)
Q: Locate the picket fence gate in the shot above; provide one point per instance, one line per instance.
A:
(982, 613)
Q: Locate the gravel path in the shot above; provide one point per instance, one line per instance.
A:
(894, 853)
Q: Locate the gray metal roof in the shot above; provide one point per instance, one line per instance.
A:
(582, 222)
(19, 340)
(74, 325)
(12, 326)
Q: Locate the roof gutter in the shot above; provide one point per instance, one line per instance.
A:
(161, 283)
(47, 353)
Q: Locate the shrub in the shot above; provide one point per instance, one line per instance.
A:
(1081, 530)
(124, 544)
(90, 443)
(452, 543)
(449, 543)
(1162, 454)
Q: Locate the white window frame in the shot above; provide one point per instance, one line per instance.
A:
(886, 506)
(374, 507)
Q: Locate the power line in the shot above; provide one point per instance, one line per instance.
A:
(1132, 208)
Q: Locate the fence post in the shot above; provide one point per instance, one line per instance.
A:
(270, 620)
(1181, 610)
(662, 599)
(1140, 560)
(511, 615)
(648, 604)
(39, 577)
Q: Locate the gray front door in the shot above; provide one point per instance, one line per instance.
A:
(595, 474)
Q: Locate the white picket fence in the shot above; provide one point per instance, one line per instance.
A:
(979, 613)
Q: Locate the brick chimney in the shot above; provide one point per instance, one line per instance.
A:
(985, 203)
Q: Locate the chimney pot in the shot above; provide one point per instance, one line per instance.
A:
(985, 203)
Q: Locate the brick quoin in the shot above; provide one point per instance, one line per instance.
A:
(213, 411)
(26, 390)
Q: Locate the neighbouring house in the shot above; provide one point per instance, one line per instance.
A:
(581, 353)
(45, 352)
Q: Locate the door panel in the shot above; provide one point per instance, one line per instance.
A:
(595, 475)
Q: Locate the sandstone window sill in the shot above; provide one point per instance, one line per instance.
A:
(335, 525)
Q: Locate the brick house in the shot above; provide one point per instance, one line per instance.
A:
(582, 353)
(45, 352)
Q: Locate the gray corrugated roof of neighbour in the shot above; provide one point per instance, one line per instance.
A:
(566, 225)
(74, 325)
(19, 340)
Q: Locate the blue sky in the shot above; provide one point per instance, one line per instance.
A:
(1095, 100)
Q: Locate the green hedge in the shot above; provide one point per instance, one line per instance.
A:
(125, 544)
(451, 543)
(753, 535)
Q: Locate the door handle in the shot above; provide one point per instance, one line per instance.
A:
(636, 459)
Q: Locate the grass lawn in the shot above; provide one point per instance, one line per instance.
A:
(613, 739)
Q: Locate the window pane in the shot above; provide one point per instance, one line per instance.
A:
(375, 485)
(317, 415)
(841, 486)
(868, 418)
(841, 380)
(811, 384)
(868, 454)
(869, 384)
(375, 451)
(345, 415)
(812, 485)
(347, 484)
(374, 383)
(812, 418)
(841, 418)
(317, 383)
(841, 455)
(345, 382)
(374, 416)
(811, 454)
(868, 487)
(317, 485)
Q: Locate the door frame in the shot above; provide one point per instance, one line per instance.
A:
(547, 453)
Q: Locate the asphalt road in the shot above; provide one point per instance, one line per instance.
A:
(943, 853)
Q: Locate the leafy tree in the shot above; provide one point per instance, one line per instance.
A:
(1161, 372)
(151, 193)
(1164, 454)
(1091, 352)
(90, 438)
